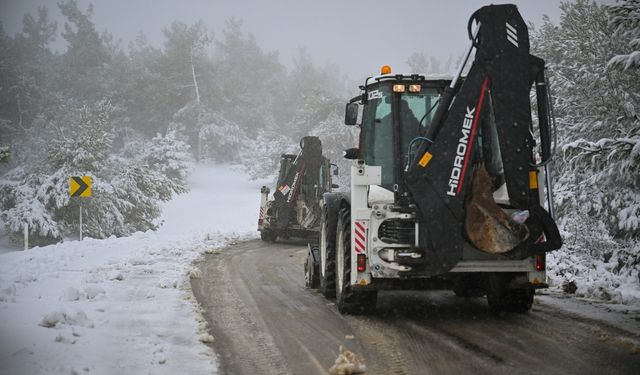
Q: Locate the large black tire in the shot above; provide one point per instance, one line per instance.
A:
(503, 299)
(328, 241)
(268, 235)
(468, 285)
(347, 300)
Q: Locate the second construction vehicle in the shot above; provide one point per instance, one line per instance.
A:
(294, 209)
(450, 180)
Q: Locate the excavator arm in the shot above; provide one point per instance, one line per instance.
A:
(448, 179)
(305, 165)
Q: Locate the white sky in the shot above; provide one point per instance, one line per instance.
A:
(358, 35)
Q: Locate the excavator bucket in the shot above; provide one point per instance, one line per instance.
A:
(487, 226)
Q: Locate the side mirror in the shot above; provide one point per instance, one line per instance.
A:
(351, 153)
(352, 113)
(336, 170)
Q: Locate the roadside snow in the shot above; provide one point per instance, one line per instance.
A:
(605, 270)
(123, 305)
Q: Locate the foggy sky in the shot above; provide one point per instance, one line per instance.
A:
(359, 36)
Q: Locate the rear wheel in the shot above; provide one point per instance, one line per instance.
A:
(328, 251)
(468, 286)
(268, 236)
(501, 298)
(349, 301)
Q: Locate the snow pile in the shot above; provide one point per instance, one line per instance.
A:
(603, 269)
(348, 363)
(123, 305)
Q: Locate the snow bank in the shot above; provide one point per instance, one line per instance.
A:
(597, 268)
(123, 305)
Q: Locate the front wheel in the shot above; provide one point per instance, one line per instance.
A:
(349, 301)
(328, 250)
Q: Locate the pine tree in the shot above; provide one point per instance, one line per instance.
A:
(126, 187)
(253, 79)
(624, 17)
(598, 127)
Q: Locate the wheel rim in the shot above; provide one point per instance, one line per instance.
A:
(340, 262)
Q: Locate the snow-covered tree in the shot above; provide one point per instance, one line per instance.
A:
(96, 109)
(596, 108)
(336, 137)
(4, 153)
(86, 49)
(184, 57)
(597, 162)
(211, 136)
(20, 204)
(625, 19)
(250, 80)
(261, 155)
(126, 189)
(219, 140)
(171, 158)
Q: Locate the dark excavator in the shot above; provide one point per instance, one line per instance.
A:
(294, 210)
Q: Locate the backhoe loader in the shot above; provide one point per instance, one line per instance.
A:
(294, 208)
(450, 185)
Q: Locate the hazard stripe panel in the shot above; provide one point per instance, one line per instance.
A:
(360, 236)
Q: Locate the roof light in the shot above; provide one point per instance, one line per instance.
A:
(386, 69)
(414, 88)
(398, 88)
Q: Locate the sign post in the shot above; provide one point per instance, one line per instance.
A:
(80, 186)
(80, 221)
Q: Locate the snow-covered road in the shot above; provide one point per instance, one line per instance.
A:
(266, 322)
(122, 305)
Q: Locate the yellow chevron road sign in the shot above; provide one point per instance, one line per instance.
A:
(80, 186)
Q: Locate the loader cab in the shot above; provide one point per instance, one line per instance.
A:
(315, 186)
(324, 177)
(393, 111)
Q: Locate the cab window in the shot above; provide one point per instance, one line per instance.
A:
(415, 114)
